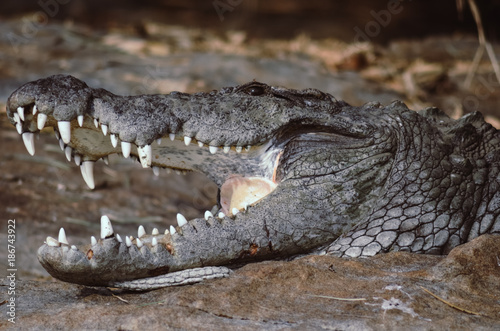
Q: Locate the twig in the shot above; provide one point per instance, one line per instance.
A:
(450, 304)
(336, 298)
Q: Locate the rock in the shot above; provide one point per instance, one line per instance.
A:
(388, 291)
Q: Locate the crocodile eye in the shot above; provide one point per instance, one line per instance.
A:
(255, 90)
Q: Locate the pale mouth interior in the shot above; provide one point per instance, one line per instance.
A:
(245, 175)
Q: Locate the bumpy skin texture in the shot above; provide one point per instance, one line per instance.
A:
(351, 181)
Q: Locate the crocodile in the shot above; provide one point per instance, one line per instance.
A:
(298, 171)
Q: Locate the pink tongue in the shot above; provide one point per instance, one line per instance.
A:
(239, 192)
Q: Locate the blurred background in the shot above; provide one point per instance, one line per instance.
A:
(420, 52)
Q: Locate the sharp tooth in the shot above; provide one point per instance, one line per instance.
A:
(106, 160)
(200, 144)
(187, 140)
(67, 152)
(235, 211)
(20, 111)
(248, 148)
(61, 144)
(145, 155)
(58, 136)
(35, 110)
(181, 220)
(104, 129)
(158, 141)
(65, 130)
(80, 120)
(166, 231)
(73, 247)
(96, 123)
(78, 159)
(93, 241)
(19, 128)
(128, 242)
(155, 232)
(212, 149)
(140, 232)
(114, 140)
(171, 136)
(226, 149)
(62, 237)
(119, 238)
(41, 120)
(87, 169)
(106, 227)
(221, 215)
(16, 118)
(139, 243)
(172, 230)
(208, 215)
(126, 149)
(154, 242)
(52, 242)
(29, 142)
(156, 171)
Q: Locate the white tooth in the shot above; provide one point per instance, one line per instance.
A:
(119, 238)
(166, 231)
(96, 123)
(41, 120)
(212, 149)
(114, 140)
(78, 159)
(93, 241)
(126, 149)
(221, 215)
(140, 232)
(177, 172)
(248, 148)
(156, 171)
(181, 220)
(87, 169)
(145, 155)
(67, 152)
(58, 136)
(29, 142)
(106, 160)
(155, 232)
(65, 130)
(139, 243)
(62, 237)
(104, 129)
(20, 111)
(35, 110)
(61, 144)
(172, 230)
(200, 144)
(128, 242)
(16, 118)
(235, 211)
(154, 242)
(52, 242)
(187, 140)
(208, 215)
(73, 247)
(80, 120)
(245, 205)
(19, 128)
(226, 149)
(158, 141)
(171, 136)
(106, 227)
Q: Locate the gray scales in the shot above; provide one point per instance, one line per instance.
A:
(298, 172)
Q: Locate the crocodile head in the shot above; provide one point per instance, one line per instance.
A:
(295, 171)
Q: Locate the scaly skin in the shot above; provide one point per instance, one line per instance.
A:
(349, 181)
